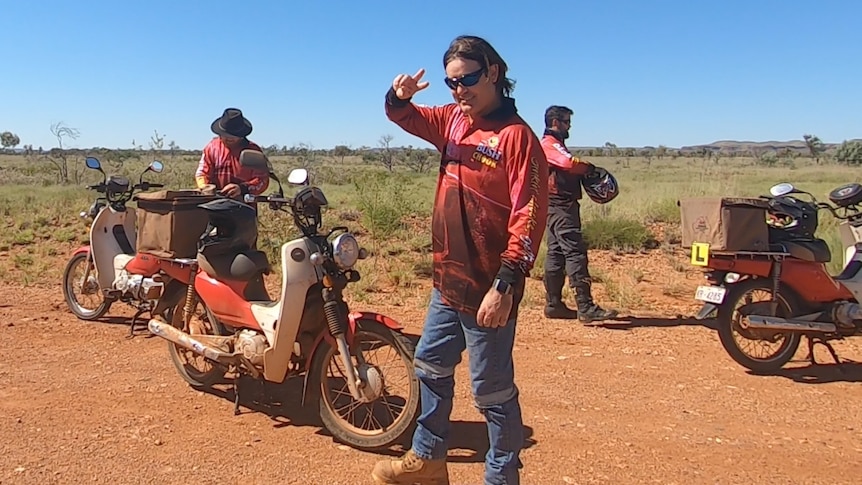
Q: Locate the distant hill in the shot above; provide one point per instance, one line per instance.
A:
(730, 147)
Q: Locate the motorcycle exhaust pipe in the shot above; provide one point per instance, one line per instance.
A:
(761, 322)
(169, 332)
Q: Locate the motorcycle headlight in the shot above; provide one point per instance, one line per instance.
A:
(345, 250)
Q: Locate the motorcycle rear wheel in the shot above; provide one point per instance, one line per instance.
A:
(69, 285)
(195, 377)
(730, 324)
(341, 429)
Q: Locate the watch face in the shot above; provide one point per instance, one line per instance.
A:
(502, 286)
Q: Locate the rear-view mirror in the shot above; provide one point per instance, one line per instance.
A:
(255, 159)
(783, 188)
(93, 163)
(298, 176)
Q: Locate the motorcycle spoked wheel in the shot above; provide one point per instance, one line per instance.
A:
(382, 434)
(731, 326)
(211, 372)
(92, 285)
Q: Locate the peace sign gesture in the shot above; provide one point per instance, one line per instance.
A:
(406, 86)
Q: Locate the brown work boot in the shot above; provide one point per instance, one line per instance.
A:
(411, 470)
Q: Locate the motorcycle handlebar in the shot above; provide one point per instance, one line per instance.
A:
(144, 186)
(251, 199)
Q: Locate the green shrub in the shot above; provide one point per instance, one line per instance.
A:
(383, 200)
(618, 233)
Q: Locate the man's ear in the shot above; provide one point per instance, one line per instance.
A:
(493, 73)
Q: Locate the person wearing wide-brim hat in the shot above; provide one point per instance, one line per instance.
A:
(219, 164)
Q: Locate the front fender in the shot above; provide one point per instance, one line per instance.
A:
(352, 318)
(377, 317)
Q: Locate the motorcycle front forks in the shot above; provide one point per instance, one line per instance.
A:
(337, 322)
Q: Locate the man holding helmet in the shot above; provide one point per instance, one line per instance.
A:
(567, 251)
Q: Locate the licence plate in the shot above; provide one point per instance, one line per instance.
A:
(710, 294)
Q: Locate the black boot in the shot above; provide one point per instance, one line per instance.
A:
(588, 311)
(554, 306)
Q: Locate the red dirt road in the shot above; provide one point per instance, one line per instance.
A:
(643, 400)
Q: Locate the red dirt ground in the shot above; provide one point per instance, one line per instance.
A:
(647, 399)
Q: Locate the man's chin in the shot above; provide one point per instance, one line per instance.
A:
(466, 107)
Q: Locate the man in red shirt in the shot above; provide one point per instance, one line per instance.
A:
(567, 251)
(219, 164)
(488, 220)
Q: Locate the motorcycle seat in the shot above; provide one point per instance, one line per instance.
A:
(814, 250)
(240, 266)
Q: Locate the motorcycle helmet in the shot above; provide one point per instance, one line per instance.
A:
(600, 186)
(232, 227)
(788, 216)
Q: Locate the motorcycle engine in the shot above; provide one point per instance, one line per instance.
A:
(252, 345)
(138, 287)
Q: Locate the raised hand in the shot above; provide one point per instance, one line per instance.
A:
(406, 86)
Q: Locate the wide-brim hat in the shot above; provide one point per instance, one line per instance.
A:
(232, 123)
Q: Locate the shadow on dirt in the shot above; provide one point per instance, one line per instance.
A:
(819, 373)
(468, 442)
(140, 329)
(282, 404)
(630, 322)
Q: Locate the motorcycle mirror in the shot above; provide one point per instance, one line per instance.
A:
(93, 163)
(298, 176)
(255, 159)
(783, 188)
(156, 166)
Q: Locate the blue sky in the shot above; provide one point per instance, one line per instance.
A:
(636, 72)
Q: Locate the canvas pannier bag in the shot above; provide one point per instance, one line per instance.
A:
(170, 223)
(725, 223)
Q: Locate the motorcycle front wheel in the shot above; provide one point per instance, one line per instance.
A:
(389, 417)
(73, 281)
(741, 342)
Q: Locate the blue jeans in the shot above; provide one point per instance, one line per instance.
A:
(446, 334)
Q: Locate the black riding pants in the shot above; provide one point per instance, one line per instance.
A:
(567, 250)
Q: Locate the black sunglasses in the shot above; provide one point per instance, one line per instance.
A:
(467, 80)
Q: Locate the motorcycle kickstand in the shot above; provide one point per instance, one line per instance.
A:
(236, 394)
(812, 341)
(134, 321)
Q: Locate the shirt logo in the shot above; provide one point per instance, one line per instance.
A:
(487, 153)
(562, 149)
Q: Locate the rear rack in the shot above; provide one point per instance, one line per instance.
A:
(752, 254)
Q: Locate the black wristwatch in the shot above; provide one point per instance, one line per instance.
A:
(502, 286)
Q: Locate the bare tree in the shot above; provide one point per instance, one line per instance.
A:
(59, 157)
(418, 159)
(305, 154)
(157, 144)
(387, 157)
(174, 148)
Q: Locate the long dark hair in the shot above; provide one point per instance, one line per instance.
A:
(478, 49)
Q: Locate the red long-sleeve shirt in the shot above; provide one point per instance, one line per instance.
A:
(490, 207)
(565, 172)
(219, 165)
